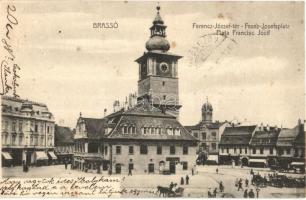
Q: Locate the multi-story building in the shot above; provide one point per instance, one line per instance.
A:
(142, 139)
(27, 132)
(263, 147)
(208, 132)
(146, 137)
(291, 146)
(63, 143)
(234, 144)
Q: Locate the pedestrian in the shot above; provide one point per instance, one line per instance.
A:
(221, 187)
(246, 183)
(66, 165)
(257, 192)
(182, 181)
(240, 185)
(192, 171)
(130, 172)
(251, 172)
(215, 192)
(245, 194)
(251, 194)
(187, 180)
(23, 166)
(217, 170)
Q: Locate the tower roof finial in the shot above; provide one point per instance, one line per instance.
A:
(158, 7)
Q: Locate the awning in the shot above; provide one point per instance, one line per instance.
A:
(6, 156)
(53, 156)
(41, 155)
(257, 161)
(213, 158)
(297, 164)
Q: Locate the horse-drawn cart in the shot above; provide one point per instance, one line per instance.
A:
(167, 192)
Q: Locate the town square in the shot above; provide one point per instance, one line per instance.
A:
(226, 134)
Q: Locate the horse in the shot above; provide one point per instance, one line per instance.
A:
(164, 191)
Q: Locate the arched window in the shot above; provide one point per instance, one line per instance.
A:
(177, 131)
(125, 129)
(130, 129)
(152, 130)
(133, 129)
(169, 131)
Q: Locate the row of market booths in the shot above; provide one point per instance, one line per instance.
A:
(28, 157)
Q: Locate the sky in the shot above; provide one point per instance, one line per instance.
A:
(73, 67)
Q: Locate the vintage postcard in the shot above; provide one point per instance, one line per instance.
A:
(136, 99)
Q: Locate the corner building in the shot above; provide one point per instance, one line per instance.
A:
(27, 132)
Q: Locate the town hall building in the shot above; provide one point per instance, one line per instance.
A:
(146, 136)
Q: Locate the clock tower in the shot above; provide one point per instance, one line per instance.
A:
(158, 72)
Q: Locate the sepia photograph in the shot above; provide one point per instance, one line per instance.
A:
(148, 99)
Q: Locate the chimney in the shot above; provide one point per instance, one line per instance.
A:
(116, 105)
(301, 126)
(105, 111)
(126, 105)
(268, 127)
(130, 100)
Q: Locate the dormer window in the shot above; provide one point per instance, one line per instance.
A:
(125, 130)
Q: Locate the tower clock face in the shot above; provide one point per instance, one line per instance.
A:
(164, 67)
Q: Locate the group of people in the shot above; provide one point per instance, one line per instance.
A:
(214, 193)
(187, 180)
(248, 193)
(239, 183)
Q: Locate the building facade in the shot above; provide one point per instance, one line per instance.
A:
(145, 137)
(64, 143)
(262, 147)
(234, 145)
(208, 132)
(291, 145)
(27, 132)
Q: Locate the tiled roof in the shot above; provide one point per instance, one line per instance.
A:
(142, 115)
(287, 137)
(62, 135)
(95, 127)
(300, 139)
(22, 100)
(150, 121)
(198, 126)
(240, 135)
(264, 138)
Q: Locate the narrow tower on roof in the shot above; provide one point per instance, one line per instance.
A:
(207, 112)
(158, 73)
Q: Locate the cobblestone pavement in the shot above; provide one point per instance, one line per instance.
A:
(205, 178)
